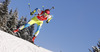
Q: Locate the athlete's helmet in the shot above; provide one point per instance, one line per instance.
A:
(47, 11)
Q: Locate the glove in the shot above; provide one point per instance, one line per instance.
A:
(36, 9)
(47, 21)
(31, 13)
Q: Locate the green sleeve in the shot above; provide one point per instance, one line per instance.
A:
(49, 20)
(32, 12)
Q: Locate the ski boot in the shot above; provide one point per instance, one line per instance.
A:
(33, 39)
(16, 30)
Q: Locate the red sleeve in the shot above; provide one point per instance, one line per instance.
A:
(42, 12)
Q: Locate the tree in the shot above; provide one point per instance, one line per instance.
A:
(9, 22)
(96, 48)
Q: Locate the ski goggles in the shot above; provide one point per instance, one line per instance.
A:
(46, 14)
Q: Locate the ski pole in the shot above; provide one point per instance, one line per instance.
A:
(29, 6)
(52, 8)
(29, 9)
(43, 7)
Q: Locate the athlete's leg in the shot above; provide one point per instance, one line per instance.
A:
(37, 31)
(32, 21)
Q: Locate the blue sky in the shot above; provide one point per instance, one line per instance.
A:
(75, 26)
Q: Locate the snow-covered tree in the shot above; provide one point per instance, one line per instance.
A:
(9, 22)
(96, 48)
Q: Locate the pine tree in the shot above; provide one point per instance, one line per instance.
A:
(9, 22)
(96, 48)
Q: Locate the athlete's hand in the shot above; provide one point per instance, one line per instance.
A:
(47, 21)
(31, 13)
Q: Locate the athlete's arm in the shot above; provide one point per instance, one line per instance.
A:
(31, 13)
(49, 18)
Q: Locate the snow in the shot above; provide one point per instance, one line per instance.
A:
(10, 43)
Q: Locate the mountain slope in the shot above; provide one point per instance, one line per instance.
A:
(10, 43)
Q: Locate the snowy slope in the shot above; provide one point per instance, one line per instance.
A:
(10, 43)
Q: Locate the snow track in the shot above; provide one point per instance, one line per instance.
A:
(10, 43)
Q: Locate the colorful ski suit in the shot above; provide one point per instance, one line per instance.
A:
(37, 19)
